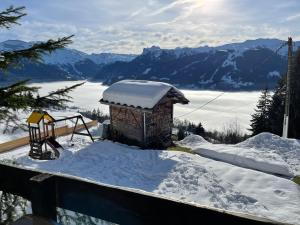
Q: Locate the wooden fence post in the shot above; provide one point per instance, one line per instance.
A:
(43, 201)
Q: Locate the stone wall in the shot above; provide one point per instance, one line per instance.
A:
(127, 125)
(159, 124)
(126, 122)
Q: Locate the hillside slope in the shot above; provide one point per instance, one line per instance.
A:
(217, 69)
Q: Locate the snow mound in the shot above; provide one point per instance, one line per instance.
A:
(265, 152)
(252, 159)
(271, 141)
(192, 141)
(287, 149)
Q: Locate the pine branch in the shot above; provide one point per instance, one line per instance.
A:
(56, 99)
(62, 91)
(10, 16)
(17, 84)
(35, 52)
(16, 96)
(19, 96)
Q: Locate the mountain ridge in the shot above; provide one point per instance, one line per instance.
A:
(233, 66)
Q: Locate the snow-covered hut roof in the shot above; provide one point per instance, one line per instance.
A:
(141, 93)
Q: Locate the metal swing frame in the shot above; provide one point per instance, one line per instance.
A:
(78, 117)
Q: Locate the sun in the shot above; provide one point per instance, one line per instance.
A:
(209, 6)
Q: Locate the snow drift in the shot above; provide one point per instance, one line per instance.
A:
(265, 152)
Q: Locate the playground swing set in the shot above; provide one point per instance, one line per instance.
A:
(42, 138)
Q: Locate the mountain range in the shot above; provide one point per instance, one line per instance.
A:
(249, 65)
(62, 64)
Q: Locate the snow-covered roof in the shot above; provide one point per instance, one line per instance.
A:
(140, 93)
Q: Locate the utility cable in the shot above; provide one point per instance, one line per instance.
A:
(205, 104)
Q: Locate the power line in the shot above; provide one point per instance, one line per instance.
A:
(205, 104)
(275, 51)
(284, 43)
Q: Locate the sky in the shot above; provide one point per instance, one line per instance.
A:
(128, 26)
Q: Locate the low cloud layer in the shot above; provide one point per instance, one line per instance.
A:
(128, 26)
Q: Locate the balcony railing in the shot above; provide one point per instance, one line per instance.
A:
(118, 205)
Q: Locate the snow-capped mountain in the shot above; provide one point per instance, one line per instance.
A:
(64, 57)
(107, 58)
(63, 63)
(272, 44)
(253, 64)
(14, 45)
(67, 55)
(238, 48)
(248, 65)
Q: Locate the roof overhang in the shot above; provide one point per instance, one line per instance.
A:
(177, 97)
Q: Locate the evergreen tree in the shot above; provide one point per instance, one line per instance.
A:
(260, 119)
(19, 95)
(191, 127)
(181, 133)
(294, 125)
(276, 110)
(199, 130)
(272, 121)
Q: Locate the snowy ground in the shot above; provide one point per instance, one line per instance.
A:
(232, 106)
(265, 152)
(181, 176)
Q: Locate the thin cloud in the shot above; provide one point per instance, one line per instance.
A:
(171, 6)
(294, 17)
(138, 12)
(128, 26)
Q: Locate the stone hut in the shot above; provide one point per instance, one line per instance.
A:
(141, 112)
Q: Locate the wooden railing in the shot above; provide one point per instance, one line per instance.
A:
(60, 131)
(118, 205)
